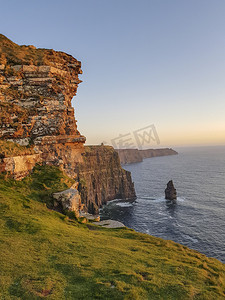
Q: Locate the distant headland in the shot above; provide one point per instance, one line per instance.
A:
(128, 156)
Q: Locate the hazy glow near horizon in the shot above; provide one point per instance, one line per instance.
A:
(144, 62)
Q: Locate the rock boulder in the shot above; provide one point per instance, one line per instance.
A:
(68, 200)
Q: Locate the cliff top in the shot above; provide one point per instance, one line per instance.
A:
(36, 89)
(13, 54)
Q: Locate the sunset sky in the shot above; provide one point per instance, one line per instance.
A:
(144, 62)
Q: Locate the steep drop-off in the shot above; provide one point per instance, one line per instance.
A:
(36, 89)
(101, 178)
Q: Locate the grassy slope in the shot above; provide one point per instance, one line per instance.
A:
(46, 255)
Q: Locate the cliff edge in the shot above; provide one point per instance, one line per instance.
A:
(101, 178)
(36, 89)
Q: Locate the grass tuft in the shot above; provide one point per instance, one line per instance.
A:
(9, 149)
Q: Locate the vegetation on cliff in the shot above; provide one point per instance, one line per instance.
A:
(44, 254)
(36, 89)
(13, 54)
(9, 149)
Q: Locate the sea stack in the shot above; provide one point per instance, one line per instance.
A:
(170, 191)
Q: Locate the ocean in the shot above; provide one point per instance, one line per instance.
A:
(197, 218)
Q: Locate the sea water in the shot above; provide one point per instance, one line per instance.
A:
(197, 218)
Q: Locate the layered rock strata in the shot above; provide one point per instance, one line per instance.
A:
(128, 156)
(36, 89)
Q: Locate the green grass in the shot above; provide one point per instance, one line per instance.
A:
(13, 54)
(44, 254)
(8, 149)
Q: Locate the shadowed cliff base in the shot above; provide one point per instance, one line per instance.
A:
(101, 178)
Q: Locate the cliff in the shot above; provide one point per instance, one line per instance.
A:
(128, 156)
(36, 89)
(45, 254)
(101, 178)
(148, 153)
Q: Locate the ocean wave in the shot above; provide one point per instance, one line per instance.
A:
(124, 204)
(159, 199)
(188, 237)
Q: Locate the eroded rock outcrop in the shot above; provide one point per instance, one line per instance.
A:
(19, 166)
(36, 89)
(68, 200)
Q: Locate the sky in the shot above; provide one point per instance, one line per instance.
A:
(154, 64)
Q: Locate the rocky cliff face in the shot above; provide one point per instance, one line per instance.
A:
(36, 89)
(101, 178)
(128, 156)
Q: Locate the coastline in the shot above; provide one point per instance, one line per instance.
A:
(128, 156)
